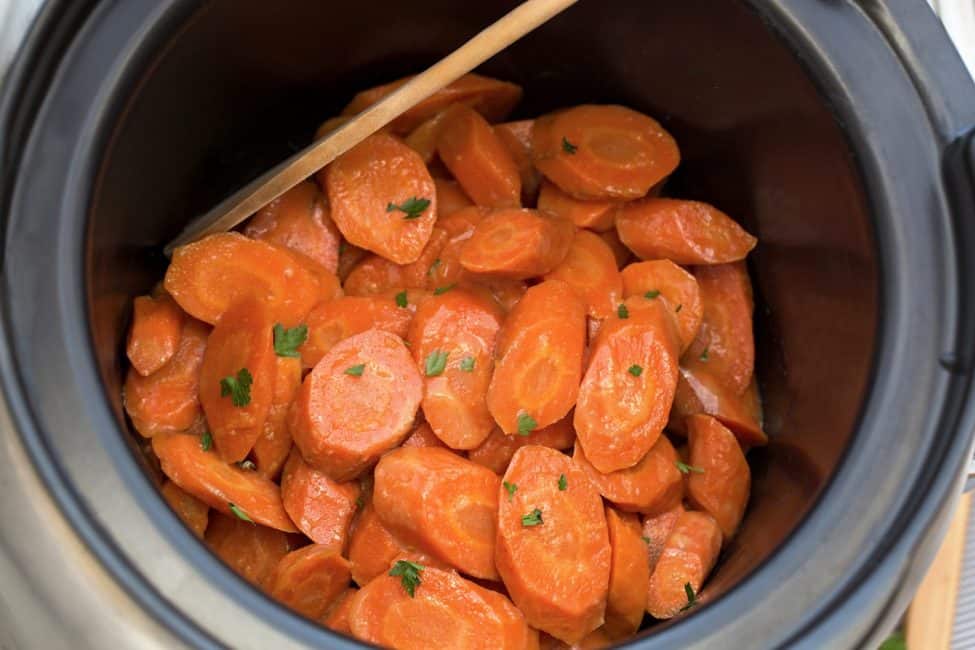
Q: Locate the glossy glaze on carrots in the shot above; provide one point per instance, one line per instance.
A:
(477, 384)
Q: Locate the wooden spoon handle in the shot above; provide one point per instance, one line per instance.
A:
(272, 184)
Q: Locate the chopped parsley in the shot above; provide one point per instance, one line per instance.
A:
(704, 354)
(409, 574)
(239, 513)
(635, 370)
(287, 341)
(206, 441)
(401, 300)
(238, 387)
(467, 364)
(645, 539)
(439, 291)
(563, 483)
(511, 488)
(413, 207)
(687, 469)
(526, 424)
(567, 146)
(533, 518)
(356, 370)
(436, 363)
(691, 597)
(650, 295)
(622, 311)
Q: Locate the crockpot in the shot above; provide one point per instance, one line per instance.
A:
(838, 131)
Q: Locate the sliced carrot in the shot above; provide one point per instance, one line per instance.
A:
(459, 227)
(358, 402)
(157, 325)
(423, 139)
(517, 634)
(539, 351)
(603, 152)
(349, 257)
(620, 251)
(330, 125)
(442, 504)
(684, 232)
(687, 559)
(452, 339)
(208, 276)
(656, 530)
(372, 548)
(450, 198)
(299, 220)
(478, 160)
(629, 385)
(599, 215)
(167, 401)
(590, 269)
(193, 512)
(337, 616)
(664, 279)
(553, 548)
(444, 611)
(517, 139)
(725, 344)
(629, 575)
(219, 485)
(507, 293)
(722, 486)
(376, 274)
(517, 244)
(699, 392)
(651, 486)
(383, 198)
(423, 436)
(271, 449)
(309, 580)
(491, 98)
(498, 448)
(332, 322)
(321, 508)
(239, 351)
(251, 551)
(329, 286)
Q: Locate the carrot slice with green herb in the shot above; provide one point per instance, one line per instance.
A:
(687, 558)
(373, 549)
(320, 507)
(722, 485)
(250, 550)
(157, 325)
(590, 269)
(332, 322)
(376, 274)
(629, 575)
(193, 512)
(652, 485)
(517, 244)
(603, 152)
(599, 216)
(309, 580)
(662, 279)
(498, 448)
(553, 549)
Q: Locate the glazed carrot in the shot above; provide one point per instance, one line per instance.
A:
(193, 512)
(664, 279)
(517, 634)
(699, 392)
(517, 244)
(590, 269)
(332, 322)
(620, 251)
(252, 551)
(208, 276)
(450, 198)
(299, 220)
(459, 227)
(684, 232)
(478, 160)
(376, 274)
(383, 198)
(423, 436)
(423, 139)
(656, 530)
(539, 351)
(321, 508)
(687, 559)
(452, 339)
(507, 293)
(157, 325)
(337, 616)
(372, 548)
(498, 448)
(651, 486)
(219, 485)
(491, 98)
(725, 344)
(237, 378)
(309, 580)
(629, 575)
(444, 611)
(272, 446)
(440, 503)
(553, 548)
(358, 402)
(517, 139)
(599, 215)
(722, 486)
(603, 152)
(330, 125)
(349, 257)
(629, 385)
(329, 286)
(167, 401)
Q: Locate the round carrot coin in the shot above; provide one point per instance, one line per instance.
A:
(478, 159)
(599, 216)
(590, 269)
(321, 508)
(517, 244)
(309, 580)
(359, 401)
(664, 279)
(629, 575)
(603, 152)
(383, 198)
(157, 325)
(251, 551)
(193, 512)
(441, 503)
(687, 558)
(720, 482)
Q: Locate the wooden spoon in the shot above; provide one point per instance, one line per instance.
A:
(272, 184)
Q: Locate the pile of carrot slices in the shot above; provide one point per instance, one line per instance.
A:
(478, 384)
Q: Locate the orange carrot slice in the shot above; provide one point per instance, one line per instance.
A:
(332, 322)
(193, 512)
(685, 232)
(629, 575)
(620, 251)
(373, 549)
(337, 616)
(321, 508)
(350, 256)
(157, 325)
(309, 580)
(595, 215)
(590, 269)
(517, 139)
(376, 274)
(684, 564)
(251, 551)
(358, 402)
(498, 448)
(553, 549)
(423, 436)
(383, 198)
(664, 279)
(656, 530)
(603, 152)
(450, 198)
(442, 504)
(699, 392)
(539, 351)
(423, 139)
(722, 485)
(517, 244)
(271, 449)
(652, 485)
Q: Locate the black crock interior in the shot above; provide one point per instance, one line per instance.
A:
(245, 83)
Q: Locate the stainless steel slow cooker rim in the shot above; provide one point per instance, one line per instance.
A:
(81, 360)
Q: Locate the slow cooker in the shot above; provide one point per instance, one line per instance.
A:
(839, 131)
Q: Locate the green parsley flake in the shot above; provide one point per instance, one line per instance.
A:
(239, 513)
(413, 207)
(650, 295)
(691, 597)
(567, 146)
(356, 370)
(237, 387)
(206, 441)
(467, 364)
(645, 539)
(401, 300)
(526, 424)
(409, 574)
(533, 518)
(704, 354)
(563, 483)
(635, 370)
(687, 469)
(622, 311)
(511, 488)
(436, 363)
(287, 341)
(439, 291)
